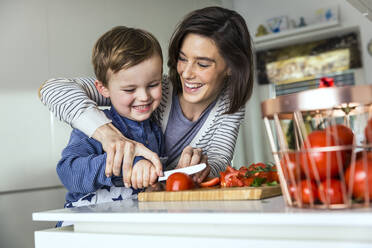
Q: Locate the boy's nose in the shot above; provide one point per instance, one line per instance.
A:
(143, 95)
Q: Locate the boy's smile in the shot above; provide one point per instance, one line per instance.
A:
(135, 92)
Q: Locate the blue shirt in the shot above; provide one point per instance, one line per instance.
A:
(82, 166)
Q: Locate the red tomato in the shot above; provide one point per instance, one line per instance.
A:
(210, 182)
(291, 163)
(361, 177)
(331, 194)
(222, 179)
(248, 181)
(368, 131)
(257, 166)
(243, 171)
(179, 181)
(307, 190)
(317, 139)
(230, 169)
(273, 175)
(292, 191)
(344, 134)
(309, 193)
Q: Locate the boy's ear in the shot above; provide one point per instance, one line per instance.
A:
(102, 89)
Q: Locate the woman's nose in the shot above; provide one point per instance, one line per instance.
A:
(188, 71)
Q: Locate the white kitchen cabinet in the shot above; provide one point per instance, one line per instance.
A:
(206, 224)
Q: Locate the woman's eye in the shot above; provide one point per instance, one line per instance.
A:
(181, 58)
(203, 65)
(129, 90)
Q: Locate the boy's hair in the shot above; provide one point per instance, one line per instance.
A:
(121, 48)
(229, 32)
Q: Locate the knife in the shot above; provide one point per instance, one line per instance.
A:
(188, 170)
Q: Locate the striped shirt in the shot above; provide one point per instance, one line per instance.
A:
(75, 101)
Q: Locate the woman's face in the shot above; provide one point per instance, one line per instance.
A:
(202, 70)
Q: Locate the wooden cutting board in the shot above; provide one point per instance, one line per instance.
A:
(213, 194)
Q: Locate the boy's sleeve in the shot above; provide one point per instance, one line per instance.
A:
(161, 145)
(82, 167)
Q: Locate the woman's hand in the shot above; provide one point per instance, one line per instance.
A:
(121, 152)
(143, 174)
(192, 156)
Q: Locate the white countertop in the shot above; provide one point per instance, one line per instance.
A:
(272, 211)
(267, 222)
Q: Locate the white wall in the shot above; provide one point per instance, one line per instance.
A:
(253, 142)
(41, 39)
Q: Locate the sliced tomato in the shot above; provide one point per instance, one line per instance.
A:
(243, 171)
(230, 169)
(247, 181)
(222, 178)
(211, 182)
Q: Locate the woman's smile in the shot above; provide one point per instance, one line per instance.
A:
(192, 87)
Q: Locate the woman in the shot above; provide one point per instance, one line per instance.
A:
(210, 80)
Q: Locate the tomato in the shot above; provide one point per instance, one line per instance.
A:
(368, 131)
(232, 180)
(222, 178)
(179, 181)
(344, 134)
(257, 167)
(243, 171)
(230, 169)
(361, 177)
(331, 194)
(210, 182)
(292, 191)
(247, 181)
(309, 192)
(317, 139)
(273, 175)
(291, 163)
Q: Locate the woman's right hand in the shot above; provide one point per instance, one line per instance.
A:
(121, 152)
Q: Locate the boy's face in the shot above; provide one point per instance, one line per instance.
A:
(135, 92)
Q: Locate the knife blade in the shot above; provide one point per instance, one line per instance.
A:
(188, 170)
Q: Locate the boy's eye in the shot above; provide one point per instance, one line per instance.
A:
(154, 85)
(129, 90)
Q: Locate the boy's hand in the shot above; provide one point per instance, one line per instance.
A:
(143, 174)
(121, 152)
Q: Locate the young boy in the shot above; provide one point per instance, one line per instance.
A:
(128, 67)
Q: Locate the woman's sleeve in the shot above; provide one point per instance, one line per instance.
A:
(220, 150)
(75, 102)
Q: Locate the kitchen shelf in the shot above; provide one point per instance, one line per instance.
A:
(301, 35)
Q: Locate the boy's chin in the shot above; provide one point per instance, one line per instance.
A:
(140, 117)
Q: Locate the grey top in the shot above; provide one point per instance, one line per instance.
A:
(180, 131)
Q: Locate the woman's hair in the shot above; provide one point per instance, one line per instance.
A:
(229, 32)
(121, 48)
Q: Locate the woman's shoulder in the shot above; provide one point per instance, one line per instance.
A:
(223, 105)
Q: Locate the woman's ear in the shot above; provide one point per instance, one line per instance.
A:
(228, 73)
(102, 89)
